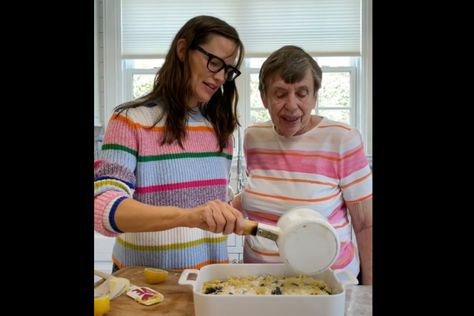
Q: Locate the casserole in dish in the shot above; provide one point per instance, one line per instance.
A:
(262, 305)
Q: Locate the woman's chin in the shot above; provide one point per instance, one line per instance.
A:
(289, 130)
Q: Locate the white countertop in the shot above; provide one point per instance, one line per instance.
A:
(359, 300)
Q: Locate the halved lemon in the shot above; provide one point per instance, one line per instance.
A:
(154, 275)
(101, 305)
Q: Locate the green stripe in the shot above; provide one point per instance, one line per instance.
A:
(167, 156)
(119, 147)
(172, 246)
(184, 155)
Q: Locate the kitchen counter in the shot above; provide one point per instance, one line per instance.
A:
(179, 298)
(358, 300)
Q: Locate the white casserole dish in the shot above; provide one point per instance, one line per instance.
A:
(262, 305)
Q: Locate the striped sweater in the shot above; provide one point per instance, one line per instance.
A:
(133, 164)
(324, 169)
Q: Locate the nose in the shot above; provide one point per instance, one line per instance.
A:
(220, 76)
(291, 102)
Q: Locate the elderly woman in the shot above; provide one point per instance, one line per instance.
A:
(303, 160)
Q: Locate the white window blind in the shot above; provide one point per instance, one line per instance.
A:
(322, 27)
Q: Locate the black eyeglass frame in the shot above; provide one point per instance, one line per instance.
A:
(228, 69)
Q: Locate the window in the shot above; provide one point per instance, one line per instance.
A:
(255, 109)
(337, 99)
(135, 31)
(337, 96)
(139, 76)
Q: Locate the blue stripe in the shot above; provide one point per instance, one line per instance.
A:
(182, 170)
(112, 214)
(120, 157)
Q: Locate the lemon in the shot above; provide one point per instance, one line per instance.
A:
(101, 305)
(153, 275)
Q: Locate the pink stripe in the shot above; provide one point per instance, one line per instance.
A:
(97, 163)
(193, 143)
(345, 255)
(352, 164)
(150, 140)
(324, 167)
(181, 185)
(336, 169)
(338, 214)
(327, 154)
(121, 133)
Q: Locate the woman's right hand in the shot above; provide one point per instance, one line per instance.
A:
(217, 217)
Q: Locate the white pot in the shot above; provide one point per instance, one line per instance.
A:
(306, 241)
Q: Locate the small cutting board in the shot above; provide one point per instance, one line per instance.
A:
(178, 298)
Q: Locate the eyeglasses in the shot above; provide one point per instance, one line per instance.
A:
(216, 64)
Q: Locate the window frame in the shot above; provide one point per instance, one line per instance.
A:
(129, 73)
(243, 86)
(245, 107)
(354, 95)
(114, 84)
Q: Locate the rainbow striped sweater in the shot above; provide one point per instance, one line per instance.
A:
(133, 164)
(324, 169)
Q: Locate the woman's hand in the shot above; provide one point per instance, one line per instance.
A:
(218, 217)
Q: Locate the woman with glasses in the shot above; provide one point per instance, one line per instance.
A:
(161, 181)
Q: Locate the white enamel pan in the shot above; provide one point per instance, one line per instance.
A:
(306, 241)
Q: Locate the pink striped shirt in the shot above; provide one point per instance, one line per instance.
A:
(324, 169)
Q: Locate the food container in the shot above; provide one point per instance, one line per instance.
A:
(262, 305)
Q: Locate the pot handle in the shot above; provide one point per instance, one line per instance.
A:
(183, 279)
(346, 277)
(250, 227)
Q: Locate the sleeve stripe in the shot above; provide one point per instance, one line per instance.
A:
(112, 214)
(98, 185)
(129, 184)
(356, 181)
(359, 200)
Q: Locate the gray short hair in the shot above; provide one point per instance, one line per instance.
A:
(291, 63)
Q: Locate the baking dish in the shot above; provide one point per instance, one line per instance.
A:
(262, 305)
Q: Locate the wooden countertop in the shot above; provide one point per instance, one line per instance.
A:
(179, 298)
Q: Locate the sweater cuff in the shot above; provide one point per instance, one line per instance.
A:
(104, 210)
(109, 214)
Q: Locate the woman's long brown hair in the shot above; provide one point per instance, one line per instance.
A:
(172, 87)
